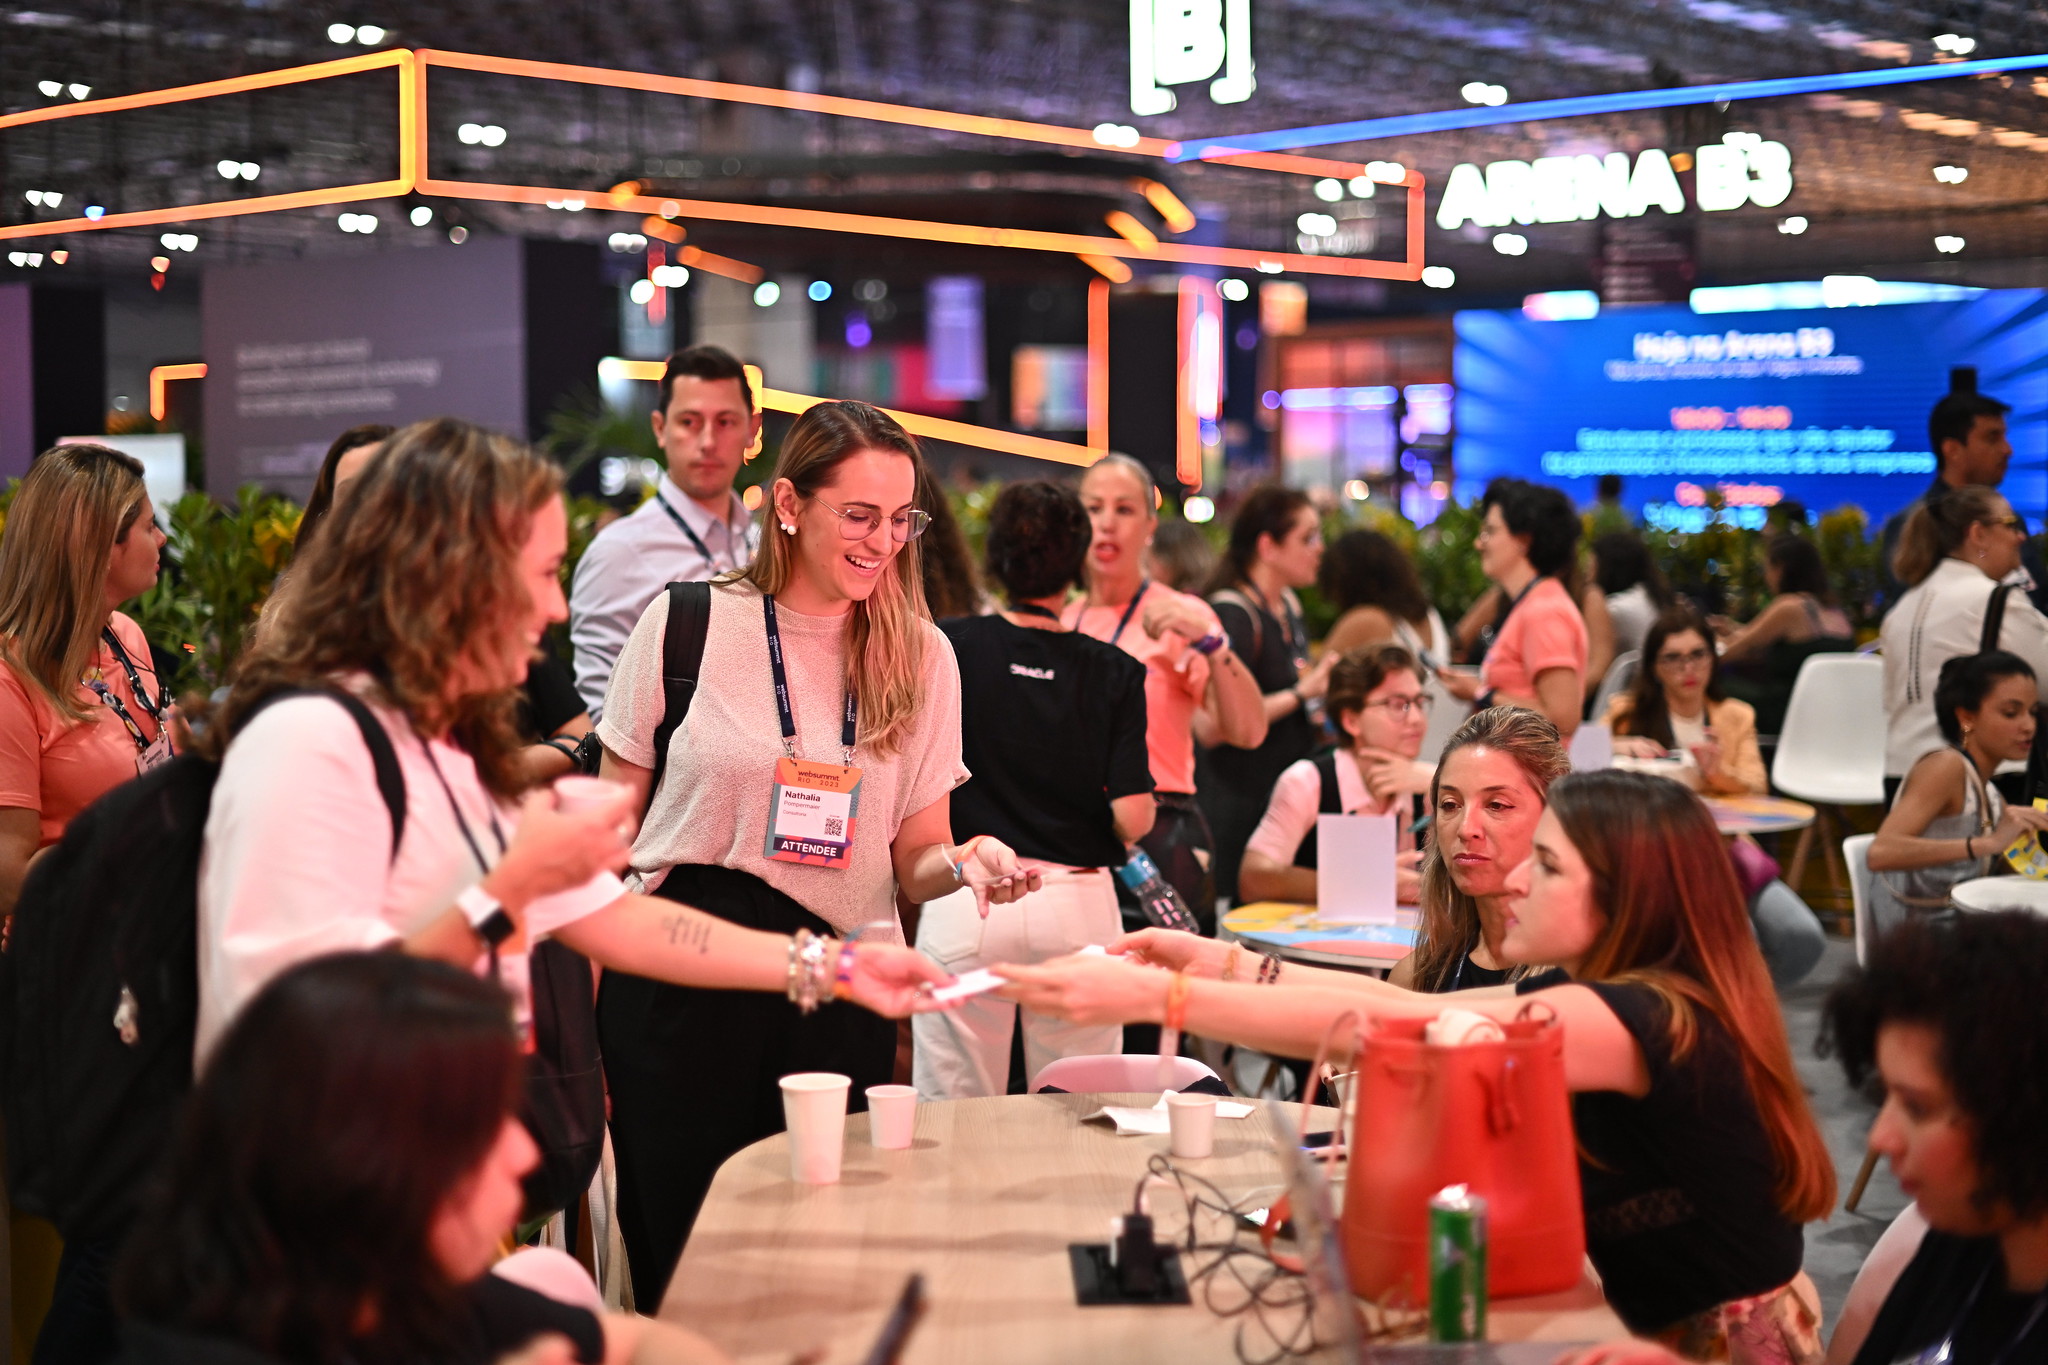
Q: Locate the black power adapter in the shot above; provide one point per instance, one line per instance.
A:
(1134, 1269)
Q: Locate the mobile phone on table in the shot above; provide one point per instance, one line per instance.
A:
(903, 1318)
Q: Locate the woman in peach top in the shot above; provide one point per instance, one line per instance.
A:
(1537, 656)
(1189, 667)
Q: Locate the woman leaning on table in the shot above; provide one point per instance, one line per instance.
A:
(821, 669)
(1189, 668)
(1699, 1157)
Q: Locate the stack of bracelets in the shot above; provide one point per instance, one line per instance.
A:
(1269, 966)
(813, 976)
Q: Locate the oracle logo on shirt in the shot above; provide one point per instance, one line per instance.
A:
(1027, 671)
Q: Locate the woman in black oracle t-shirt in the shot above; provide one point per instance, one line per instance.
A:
(1950, 1016)
(1053, 728)
(1276, 546)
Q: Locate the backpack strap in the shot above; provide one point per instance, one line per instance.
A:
(1994, 618)
(383, 757)
(682, 658)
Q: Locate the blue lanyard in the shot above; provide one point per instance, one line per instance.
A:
(696, 541)
(1125, 620)
(848, 727)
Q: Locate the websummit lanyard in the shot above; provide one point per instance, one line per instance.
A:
(148, 753)
(812, 807)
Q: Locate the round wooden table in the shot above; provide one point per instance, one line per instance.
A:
(2001, 893)
(1759, 814)
(983, 1204)
(1294, 932)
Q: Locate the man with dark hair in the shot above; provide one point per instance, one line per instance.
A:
(693, 528)
(1967, 433)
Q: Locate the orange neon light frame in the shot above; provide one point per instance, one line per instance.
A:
(937, 428)
(160, 377)
(413, 163)
(1097, 402)
(411, 142)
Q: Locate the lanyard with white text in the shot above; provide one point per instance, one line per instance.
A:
(696, 541)
(848, 727)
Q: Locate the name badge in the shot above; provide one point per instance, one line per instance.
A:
(156, 755)
(811, 811)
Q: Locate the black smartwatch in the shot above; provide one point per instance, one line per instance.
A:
(485, 913)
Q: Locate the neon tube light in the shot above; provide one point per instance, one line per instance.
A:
(937, 428)
(1098, 364)
(1576, 106)
(159, 403)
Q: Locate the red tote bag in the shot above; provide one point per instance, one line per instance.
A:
(1491, 1115)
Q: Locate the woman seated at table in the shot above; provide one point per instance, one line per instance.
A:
(346, 1174)
(1948, 823)
(1949, 1017)
(1678, 710)
(1802, 620)
(1699, 1157)
(1377, 695)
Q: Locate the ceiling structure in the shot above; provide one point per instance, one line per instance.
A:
(1863, 162)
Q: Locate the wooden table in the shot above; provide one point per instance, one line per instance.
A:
(1759, 814)
(1295, 933)
(2001, 893)
(983, 1204)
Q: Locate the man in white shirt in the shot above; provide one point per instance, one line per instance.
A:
(693, 528)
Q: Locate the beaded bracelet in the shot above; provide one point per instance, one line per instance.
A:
(842, 989)
(1269, 969)
(808, 969)
(1177, 1002)
(1230, 963)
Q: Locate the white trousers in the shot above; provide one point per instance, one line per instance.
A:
(964, 1053)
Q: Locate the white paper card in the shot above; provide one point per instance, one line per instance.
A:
(1355, 868)
(1592, 747)
(980, 981)
(1154, 1120)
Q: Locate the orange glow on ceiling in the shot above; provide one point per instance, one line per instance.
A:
(1109, 267)
(1131, 230)
(1179, 217)
(159, 404)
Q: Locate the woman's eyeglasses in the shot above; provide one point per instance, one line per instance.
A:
(2011, 522)
(1691, 659)
(858, 522)
(1400, 708)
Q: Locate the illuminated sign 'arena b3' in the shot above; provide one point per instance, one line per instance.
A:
(1175, 42)
(1743, 169)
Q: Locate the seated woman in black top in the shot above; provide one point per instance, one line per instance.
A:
(1950, 1016)
(347, 1171)
(1052, 725)
(1699, 1156)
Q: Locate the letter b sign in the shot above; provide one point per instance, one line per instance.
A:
(1175, 42)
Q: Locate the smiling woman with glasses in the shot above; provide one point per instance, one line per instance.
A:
(1677, 711)
(1377, 697)
(808, 782)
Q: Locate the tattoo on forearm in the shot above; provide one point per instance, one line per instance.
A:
(688, 931)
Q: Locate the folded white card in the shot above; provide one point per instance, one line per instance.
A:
(1154, 1120)
(1355, 868)
(980, 981)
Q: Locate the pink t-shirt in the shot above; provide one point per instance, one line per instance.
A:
(1544, 631)
(57, 768)
(1175, 679)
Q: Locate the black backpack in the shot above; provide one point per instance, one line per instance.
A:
(99, 990)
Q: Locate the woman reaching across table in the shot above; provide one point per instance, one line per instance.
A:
(1700, 1159)
(1189, 667)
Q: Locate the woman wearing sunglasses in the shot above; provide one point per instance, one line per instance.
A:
(809, 781)
(1377, 697)
(1953, 556)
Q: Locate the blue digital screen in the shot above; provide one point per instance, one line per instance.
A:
(1825, 406)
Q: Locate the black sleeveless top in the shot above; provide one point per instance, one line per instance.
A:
(1331, 804)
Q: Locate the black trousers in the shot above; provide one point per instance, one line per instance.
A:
(693, 1072)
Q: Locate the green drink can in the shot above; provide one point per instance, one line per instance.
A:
(1457, 1265)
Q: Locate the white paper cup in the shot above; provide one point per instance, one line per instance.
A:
(577, 793)
(892, 1115)
(814, 1110)
(1191, 1119)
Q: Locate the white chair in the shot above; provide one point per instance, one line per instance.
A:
(1100, 1073)
(1856, 853)
(1831, 747)
(1873, 1285)
(1620, 674)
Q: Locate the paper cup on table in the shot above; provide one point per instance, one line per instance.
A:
(892, 1115)
(814, 1110)
(578, 793)
(1191, 1120)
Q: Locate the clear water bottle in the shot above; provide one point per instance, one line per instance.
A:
(1162, 904)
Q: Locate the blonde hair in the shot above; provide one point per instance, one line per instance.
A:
(1450, 918)
(76, 504)
(1937, 530)
(886, 638)
(416, 569)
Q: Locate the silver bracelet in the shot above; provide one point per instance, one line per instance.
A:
(810, 972)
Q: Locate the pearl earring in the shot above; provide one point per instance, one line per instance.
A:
(788, 528)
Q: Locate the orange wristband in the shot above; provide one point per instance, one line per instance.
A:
(1177, 1001)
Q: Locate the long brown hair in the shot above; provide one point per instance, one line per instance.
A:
(1674, 918)
(1649, 713)
(415, 572)
(885, 643)
(1937, 530)
(1450, 918)
(76, 504)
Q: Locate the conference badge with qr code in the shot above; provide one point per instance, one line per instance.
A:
(811, 812)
